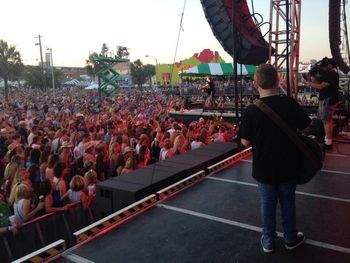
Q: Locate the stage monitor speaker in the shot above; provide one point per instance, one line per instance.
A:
(118, 192)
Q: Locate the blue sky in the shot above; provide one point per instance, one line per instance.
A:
(73, 28)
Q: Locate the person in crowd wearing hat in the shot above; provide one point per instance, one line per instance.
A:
(79, 116)
(14, 148)
(89, 154)
(66, 153)
(128, 153)
(130, 165)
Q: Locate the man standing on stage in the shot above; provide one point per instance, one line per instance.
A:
(210, 89)
(325, 79)
(275, 157)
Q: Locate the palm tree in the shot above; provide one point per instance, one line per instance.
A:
(138, 73)
(10, 64)
(33, 77)
(150, 71)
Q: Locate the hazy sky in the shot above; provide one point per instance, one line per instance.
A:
(73, 28)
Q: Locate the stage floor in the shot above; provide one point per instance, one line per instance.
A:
(218, 220)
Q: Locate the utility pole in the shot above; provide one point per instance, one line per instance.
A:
(42, 63)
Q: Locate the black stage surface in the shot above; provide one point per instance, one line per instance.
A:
(218, 220)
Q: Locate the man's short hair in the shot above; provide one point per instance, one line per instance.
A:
(266, 76)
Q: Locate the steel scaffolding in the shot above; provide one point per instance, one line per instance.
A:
(284, 38)
(106, 72)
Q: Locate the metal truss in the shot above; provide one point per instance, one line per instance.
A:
(284, 37)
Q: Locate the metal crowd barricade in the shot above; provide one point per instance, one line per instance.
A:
(28, 238)
(45, 253)
(44, 230)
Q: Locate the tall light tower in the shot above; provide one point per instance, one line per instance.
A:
(149, 56)
(42, 62)
(52, 72)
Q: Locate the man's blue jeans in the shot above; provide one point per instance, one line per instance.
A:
(270, 194)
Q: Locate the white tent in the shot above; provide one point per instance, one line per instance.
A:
(92, 85)
(218, 69)
(72, 82)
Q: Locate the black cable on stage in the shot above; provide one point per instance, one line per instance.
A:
(257, 23)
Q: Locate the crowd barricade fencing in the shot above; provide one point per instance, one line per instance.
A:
(45, 230)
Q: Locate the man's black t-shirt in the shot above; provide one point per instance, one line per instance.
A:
(331, 91)
(211, 89)
(275, 157)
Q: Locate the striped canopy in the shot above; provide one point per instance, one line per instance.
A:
(218, 69)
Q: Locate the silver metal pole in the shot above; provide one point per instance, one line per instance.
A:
(52, 74)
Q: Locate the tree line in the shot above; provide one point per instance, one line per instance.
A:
(13, 69)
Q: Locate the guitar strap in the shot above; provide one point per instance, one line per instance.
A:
(288, 131)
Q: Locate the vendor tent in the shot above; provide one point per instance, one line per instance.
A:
(218, 69)
(92, 85)
(73, 82)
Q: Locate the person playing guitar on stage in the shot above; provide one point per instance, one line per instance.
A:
(209, 88)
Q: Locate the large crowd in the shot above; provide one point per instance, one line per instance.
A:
(53, 151)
